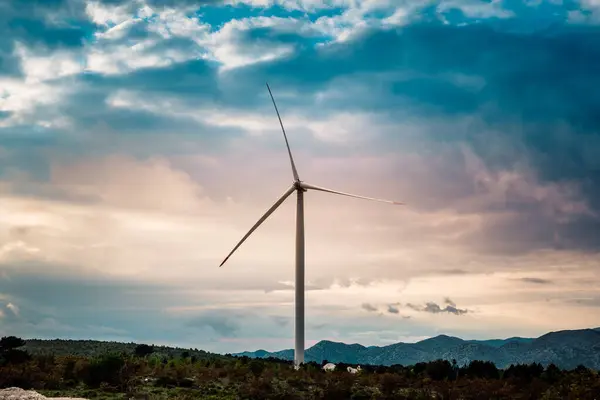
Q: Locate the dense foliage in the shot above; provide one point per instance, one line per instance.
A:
(142, 372)
(89, 348)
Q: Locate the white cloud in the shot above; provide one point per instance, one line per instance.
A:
(172, 22)
(356, 18)
(232, 49)
(137, 189)
(476, 8)
(356, 15)
(133, 204)
(104, 14)
(230, 55)
(124, 59)
(112, 54)
(346, 128)
(17, 250)
(398, 17)
(39, 68)
(588, 12)
(230, 45)
(13, 308)
(340, 129)
(253, 124)
(295, 5)
(22, 98)
(40, 88)
(118, 31)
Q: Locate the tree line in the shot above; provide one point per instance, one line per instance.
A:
(146, 373)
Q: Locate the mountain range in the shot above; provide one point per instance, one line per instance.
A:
(566, 349)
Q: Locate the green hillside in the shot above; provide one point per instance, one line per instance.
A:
(91, 348)
(110, 370)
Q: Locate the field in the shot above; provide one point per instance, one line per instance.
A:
(105, 370)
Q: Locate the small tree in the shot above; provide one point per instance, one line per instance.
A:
(9, 350)
(105, 369)
(389, 383)
(439, 370)
(8, 343)
(482, 369)
(143, 350)
(552, 373)
(256, 367)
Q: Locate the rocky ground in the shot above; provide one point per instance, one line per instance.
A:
(20, 394)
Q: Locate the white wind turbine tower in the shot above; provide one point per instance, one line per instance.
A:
(299, 187)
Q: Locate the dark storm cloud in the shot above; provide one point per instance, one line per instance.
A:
(393, 309)
(455, 271)
(588, 302)
(537, 281)
(534, 80)
(434, 64)
(527, 89)
(434, 308)
(369, 307)
(449, 302)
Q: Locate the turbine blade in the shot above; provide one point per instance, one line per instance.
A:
(296, 178)
(322, 189)
(261, 220)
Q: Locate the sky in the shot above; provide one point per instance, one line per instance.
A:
(138, 144)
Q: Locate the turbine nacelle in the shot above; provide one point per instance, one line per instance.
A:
(298, 186)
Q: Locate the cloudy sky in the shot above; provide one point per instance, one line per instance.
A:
(138, 144)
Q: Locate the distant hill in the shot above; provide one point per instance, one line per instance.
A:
(566, 349)
(501, 342)
(62, 347)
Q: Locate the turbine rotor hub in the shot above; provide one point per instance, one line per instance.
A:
(298, 186)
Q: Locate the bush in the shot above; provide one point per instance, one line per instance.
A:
(106, 369)
(10, 353)
(482, 369)
(230, 378)
(143, 350)
(10, 343)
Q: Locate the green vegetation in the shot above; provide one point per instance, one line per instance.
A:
(122, 371)
(88, 348)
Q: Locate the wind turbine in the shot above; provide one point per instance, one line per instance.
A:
(299, 187)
